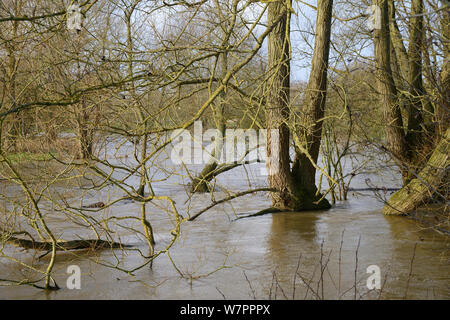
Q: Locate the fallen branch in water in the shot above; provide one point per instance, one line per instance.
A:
(93, 244)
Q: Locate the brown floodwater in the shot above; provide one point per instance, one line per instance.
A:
(256, 257)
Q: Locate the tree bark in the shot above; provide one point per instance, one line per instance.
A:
(296, 189)
(143, 181)
(391, 108)
(201, 182)
(278, 160)
(427, 182)
(408, 145)
(415, 130)
(85, 131)
(398, 46)
(309, 131)
(443, 105)
(12, 131)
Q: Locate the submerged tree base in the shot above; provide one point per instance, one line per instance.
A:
(323, 204)
(301, 197)
(311, 201)
(425, 185)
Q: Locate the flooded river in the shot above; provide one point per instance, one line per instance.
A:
(322, 254)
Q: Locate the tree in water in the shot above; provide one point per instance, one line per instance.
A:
(420, 147)
(296, 189)
(211, 169)
(226, 23)
(426, 183)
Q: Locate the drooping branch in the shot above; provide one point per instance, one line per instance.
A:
(234, 196)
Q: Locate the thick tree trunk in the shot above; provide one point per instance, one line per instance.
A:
(386, 87)
(420, 132)
(443, 105)
(278, 160)
(398, 47)
(422, 188)
(415, 130)
(309, 131)
(395, 66)
(407, 72)
(296, 188)
(409, 146)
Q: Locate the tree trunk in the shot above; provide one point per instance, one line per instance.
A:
(443, 105)
(425, 184)
(143, 181)
(398, 47)
(296, 189)
(85, 131)
(278, 161)
(399, 81)
(13, 131)
(408, 147)
(309, 131)
(201, 183)
(414, 135)
(386, 87)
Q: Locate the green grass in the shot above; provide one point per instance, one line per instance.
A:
(28, 156)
